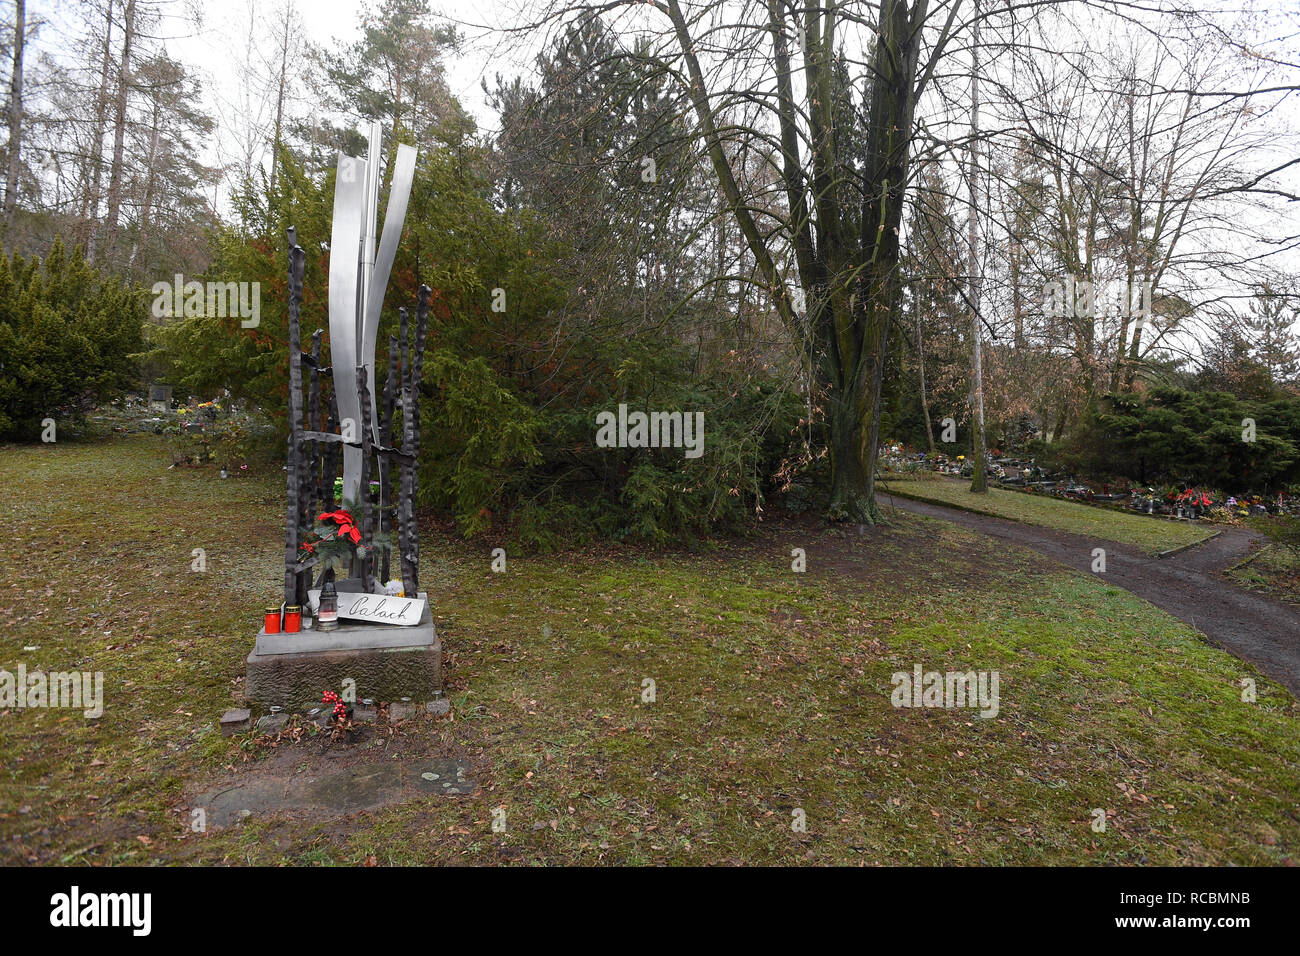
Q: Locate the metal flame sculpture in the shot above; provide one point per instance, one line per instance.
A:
(361, 260)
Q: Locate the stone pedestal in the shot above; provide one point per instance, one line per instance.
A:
(387, 662)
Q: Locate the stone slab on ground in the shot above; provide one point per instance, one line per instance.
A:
(445, 777)
(402, 709)
(330, 792)
(233, 721)
(272, 723)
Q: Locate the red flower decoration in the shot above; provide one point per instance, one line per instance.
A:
(355, 535)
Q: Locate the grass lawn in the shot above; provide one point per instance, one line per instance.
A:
(1150, 534)
(773, 694)
(1275, 570)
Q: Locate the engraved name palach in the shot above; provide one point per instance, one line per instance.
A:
(349, 417)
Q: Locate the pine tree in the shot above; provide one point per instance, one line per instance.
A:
(1274, 343)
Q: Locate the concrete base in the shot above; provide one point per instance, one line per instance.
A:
(386, 662)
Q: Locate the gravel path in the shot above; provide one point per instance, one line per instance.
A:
(1189, 585)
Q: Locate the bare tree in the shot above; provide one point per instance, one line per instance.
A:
(979, 479)
(116, 170)
(776, 77)
(15, 115)
(1145, 177)
(92, 166)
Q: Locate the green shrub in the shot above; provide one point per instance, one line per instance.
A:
(69, 337)
(1177, 436)
(509, 398)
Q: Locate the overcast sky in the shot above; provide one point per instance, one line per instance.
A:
(331, 23)
(212, 49)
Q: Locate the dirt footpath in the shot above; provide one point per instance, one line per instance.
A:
(1189, 585)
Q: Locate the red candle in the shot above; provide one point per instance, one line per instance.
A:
(272, 620)
(292, 619)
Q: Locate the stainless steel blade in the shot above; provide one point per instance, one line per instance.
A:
(394, 216)
(345, 249)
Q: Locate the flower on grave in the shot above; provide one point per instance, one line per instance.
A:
(395, 588)
(347, 526)
(335, 539)
(340, 709)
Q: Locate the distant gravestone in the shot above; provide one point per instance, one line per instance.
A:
(160, 397)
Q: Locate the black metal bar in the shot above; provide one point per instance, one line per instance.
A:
(385, 442)
(367, 509)
(421, 336)
(405, 507)
(313, 420)
(292, 579)
(327, 438)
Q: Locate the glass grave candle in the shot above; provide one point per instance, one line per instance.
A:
(327, 614)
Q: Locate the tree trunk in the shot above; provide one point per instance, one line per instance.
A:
(1062, 418)
(851, 483)
(146, 208)
(15, 120)
(920, 361)
(117, 174)
(95, 157)
(280, 94)
(850, 282)
(1017, 296)
(979, 476)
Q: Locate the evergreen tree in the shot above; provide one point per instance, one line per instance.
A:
(1271, 328)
